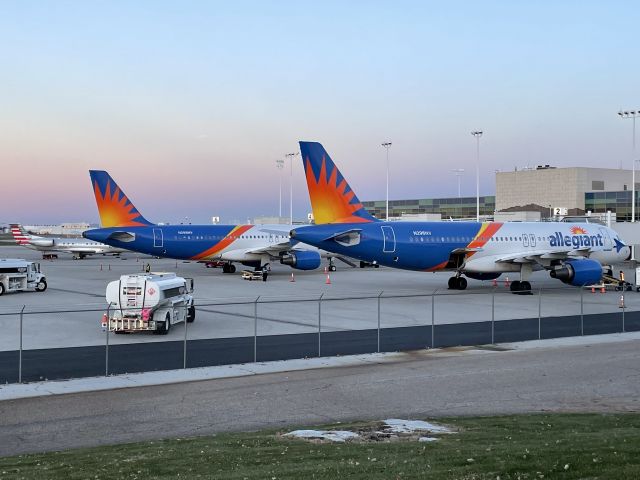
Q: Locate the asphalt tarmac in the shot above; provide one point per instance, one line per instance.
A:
(570, 375)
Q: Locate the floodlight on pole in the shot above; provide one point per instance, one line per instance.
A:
(477, 134)
(290, 156)
(633, 114)
(280, 166)
(458, 172)
(387, 145)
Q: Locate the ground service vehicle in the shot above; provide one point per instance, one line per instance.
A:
(17, 275)
(148, 302)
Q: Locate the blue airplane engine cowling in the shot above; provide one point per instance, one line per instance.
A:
(302, 260)
(579, 272)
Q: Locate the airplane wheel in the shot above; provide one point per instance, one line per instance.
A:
(225, 268)
(525, 287)
(516, 286)
(362, 264)
(462, 283)
(332, 268)
(232, 268)
(452, 283)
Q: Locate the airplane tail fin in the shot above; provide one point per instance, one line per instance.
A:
(20, 235)
(115, 208)
(332, 199)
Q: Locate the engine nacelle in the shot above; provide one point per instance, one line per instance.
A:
(301, 260)
(42, 242)
(579, 272)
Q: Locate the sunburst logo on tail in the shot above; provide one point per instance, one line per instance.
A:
(332, 199)
(578, 231)
(113, 205)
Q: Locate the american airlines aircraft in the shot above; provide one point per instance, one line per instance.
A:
(78, 247)
(573, 253)
(253, 245)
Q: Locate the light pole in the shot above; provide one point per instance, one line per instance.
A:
(280, 166)
(633, 114)
(387, 145)
(477, 134)
(290, 156)
(458, 172)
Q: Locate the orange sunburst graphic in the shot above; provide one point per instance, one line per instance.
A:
(578, 231)
(115, 208)
(330, 202)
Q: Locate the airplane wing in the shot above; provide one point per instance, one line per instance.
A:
(273, 249)
(543, 256)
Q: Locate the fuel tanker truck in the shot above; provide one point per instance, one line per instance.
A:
(148, 302)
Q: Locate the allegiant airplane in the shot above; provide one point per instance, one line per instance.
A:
(572, 252)
(123, 226)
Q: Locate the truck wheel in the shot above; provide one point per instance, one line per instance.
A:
(191, 314)
(41, 286)
(1, 289)
(167, 324)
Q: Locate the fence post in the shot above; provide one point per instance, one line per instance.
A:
(184, 358)
(493, 315)
(20, 355)
(582, 311)
(255, 330)
(539, 314)
(106, 350)
(624, 307)
(319, 323)
(379, 320)
(433, 319)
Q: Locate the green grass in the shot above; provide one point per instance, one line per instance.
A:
(566, 446)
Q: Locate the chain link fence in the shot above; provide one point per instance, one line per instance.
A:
(57, 343)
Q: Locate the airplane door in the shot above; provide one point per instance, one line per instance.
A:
(532, 240)
(606, 239)
(525, 240)
(158, 239)
(389, 239)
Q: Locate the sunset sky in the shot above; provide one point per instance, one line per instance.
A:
(189, 104)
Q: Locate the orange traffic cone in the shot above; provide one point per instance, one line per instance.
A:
(593, 289)
(495, 282)
(507, 282)
(602, 289)
(326, 270)
(292, 279)
(328, 282)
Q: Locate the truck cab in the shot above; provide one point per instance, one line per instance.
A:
(17, 275)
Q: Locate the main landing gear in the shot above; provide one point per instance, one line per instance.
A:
(457, 283)
(228, 268)
(520, 288)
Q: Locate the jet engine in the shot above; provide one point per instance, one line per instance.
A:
(42, 242)
(579, 272)
(301, 260)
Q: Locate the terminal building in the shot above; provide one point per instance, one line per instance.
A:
(544, 191)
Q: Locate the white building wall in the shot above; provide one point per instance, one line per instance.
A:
(556, 187)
